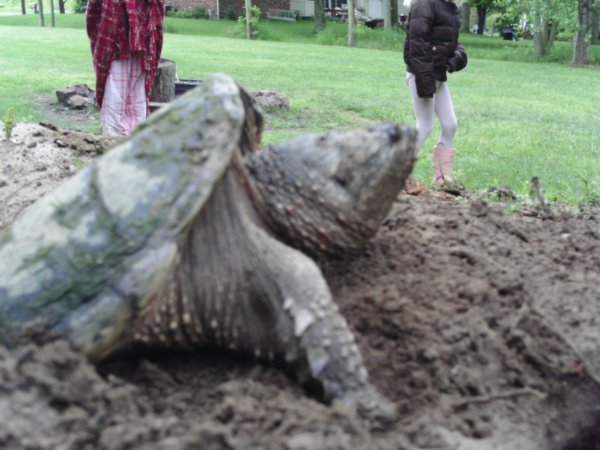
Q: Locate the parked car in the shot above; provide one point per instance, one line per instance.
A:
(508, 34)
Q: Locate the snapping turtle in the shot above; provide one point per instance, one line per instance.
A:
(182, 237)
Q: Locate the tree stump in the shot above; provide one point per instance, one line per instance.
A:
(163, 90)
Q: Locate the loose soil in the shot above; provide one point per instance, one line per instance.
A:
(480, 324)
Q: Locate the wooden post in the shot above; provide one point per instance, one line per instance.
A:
(387, 15)
(466, 17)
(248, 5)
(351, 37)
(319, 15)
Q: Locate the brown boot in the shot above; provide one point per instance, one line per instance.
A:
(443, 159)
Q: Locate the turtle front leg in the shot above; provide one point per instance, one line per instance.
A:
(237, 287)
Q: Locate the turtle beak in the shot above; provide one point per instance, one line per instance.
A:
(374, 170)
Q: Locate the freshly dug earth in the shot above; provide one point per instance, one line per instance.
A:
(37, 158)
(481, 325)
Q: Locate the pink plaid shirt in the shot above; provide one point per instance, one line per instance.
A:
(118, 28)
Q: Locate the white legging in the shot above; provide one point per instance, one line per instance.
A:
(424, 108)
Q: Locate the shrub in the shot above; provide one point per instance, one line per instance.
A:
(255, 13)
(9, 122)
(230, 14)
(78, 6)
(201, 13)
(198, 13)
(332, 36)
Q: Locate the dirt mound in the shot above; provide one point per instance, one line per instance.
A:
(37, 158)
(481, 325)
(52, 398)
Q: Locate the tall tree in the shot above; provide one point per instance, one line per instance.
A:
(351, 36)
(596, 23)
(546, 16)
(52, 13)
(465, 26)
(23, 8)
(319, 15)
(41, 10)
(544, 32)
(483, 7)
(583, 35)
(395, 14)
(61, 6)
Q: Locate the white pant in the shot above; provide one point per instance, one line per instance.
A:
(124, 102)
(424, 108)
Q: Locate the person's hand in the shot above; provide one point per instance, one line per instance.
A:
(449, 68)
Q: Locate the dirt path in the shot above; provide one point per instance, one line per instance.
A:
(481, 325)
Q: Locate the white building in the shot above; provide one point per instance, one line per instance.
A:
(371, 8)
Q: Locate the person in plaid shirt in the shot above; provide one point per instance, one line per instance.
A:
(126, 37)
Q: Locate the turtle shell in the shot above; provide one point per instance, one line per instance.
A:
(90, 251)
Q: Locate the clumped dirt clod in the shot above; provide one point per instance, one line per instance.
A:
(479, 324)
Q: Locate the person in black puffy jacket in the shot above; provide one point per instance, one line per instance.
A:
(431, 50)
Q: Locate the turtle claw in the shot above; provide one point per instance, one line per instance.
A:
(373, 410)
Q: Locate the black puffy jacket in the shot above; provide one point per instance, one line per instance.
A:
(431, 47)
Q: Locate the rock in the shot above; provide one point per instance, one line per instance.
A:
(76, 96)
(271, 101)
(77, 101)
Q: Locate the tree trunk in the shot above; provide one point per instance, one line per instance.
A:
(23, 7)
(41, 10)
(466, 18)
(552, 32)
(163, 89)
(539, 45)
(387, 15)
(582, 44)
(395, 14)
(248, 6)
(61, 6)
(540, 37)
(595, 24)
(481, 13)
(52, 13)
(319, 15)
(351, 37)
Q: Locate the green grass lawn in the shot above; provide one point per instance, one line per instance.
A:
(516, 119)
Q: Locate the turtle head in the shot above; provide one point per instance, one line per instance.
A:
(329, 193)
(372, 167)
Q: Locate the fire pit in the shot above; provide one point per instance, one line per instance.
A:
(182, 86)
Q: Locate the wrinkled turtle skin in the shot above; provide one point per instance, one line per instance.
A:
(182, 238)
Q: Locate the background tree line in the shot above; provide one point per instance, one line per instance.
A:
(544, 19)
